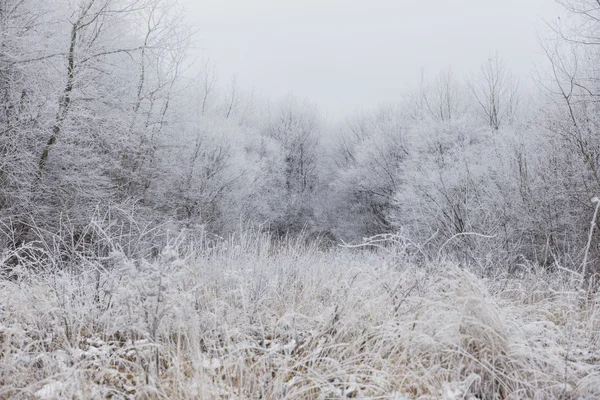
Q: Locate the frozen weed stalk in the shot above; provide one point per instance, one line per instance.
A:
(581, 289)
(255, 319)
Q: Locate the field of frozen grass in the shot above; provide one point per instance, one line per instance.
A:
(247, 319)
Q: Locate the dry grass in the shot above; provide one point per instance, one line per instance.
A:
(246, 320)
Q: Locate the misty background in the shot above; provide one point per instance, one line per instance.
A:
(351, 56)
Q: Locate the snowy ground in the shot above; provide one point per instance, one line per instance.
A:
(247, 321)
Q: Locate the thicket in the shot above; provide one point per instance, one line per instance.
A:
(103, 110)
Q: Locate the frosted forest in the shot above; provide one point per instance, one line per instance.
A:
(167, 234)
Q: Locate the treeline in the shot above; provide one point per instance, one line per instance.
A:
(102, 109)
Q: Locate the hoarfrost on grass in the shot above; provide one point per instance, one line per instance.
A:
(293, 323)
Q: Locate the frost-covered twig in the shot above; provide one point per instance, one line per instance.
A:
(380, 241)
(462, 234)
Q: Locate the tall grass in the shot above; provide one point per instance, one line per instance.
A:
(248, 317)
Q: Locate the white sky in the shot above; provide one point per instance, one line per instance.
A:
(351, 54)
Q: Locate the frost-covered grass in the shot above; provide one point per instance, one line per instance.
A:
(247, 319)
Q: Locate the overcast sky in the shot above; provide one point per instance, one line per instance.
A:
(351, 54)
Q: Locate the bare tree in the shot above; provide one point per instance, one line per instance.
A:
(496, 92)
(232, 98)
(573, 84)
(294, 127)
(572, 120)
(23, 73)
(370, 159)
(161, 63)
(209, 86)
(443, 97)
(88, 24)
